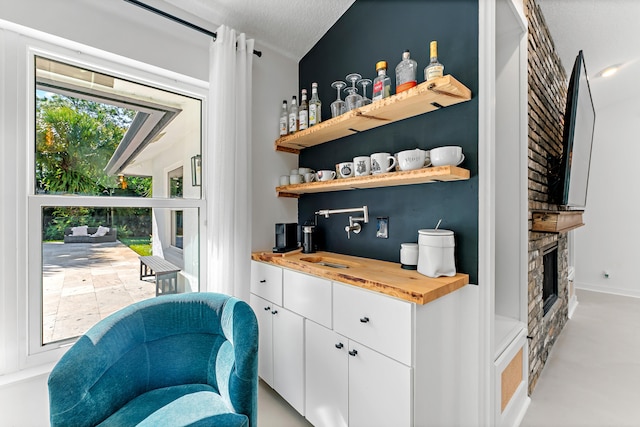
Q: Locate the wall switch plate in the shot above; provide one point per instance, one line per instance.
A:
(382, 230)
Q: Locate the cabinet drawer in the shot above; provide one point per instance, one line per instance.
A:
(375, 320)
(266, 281)
(309, 296)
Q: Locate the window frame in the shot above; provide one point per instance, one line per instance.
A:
(32, 351)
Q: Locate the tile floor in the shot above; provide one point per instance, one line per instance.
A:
(86, 282)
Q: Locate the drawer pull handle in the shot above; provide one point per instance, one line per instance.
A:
(274, 312)
(364, 319)
(353, 352)
(339, 345)
(267, 308)
(263, 281)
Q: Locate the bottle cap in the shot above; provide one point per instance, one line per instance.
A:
(380, 65)
(304, 91)
(314, 84)
(406, 54)
(434, 48)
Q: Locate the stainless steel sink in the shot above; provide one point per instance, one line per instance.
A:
(327, 262)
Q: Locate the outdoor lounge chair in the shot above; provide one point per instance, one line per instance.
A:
(175, 360)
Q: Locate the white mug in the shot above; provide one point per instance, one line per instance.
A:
(284, 180)
(325, 175)
(449, 155)
(309, 177)
(344, 169)
(412, 159)
(304, 171)
(296, 179)
(362, 165)
(382, 162)
(293, 172)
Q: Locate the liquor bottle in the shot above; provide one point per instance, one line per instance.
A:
(406, 73)
(315, 106)
(293, 115)
(434, 69)
(303, 112)
(284, 119)
(382, 83)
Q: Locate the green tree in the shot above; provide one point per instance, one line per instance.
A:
(75, 139)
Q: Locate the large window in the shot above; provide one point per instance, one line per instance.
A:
(108, 142)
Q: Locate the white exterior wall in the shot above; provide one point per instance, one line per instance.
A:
(609, 240)
(118, 28)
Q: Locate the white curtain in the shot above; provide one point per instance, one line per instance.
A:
(228, 157)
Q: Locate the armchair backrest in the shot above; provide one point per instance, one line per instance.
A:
(195, 338)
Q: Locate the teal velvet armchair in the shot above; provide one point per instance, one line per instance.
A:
(175, 360)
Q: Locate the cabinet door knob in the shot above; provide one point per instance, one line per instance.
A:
(364, 319)
(353, 352)
(263, 281)
(267, 308)
(339, 345)
(274, 312)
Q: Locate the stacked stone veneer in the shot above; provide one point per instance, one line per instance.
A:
(547, 97)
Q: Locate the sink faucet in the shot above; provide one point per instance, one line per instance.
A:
(354, 225)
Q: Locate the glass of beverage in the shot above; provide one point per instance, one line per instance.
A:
(364, 83)
(353, 98)
(338, 106)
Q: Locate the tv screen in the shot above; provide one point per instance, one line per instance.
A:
(569, 187)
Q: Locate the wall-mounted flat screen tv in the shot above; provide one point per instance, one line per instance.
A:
(569, 186)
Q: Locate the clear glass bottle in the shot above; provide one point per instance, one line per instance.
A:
(434, 69)
(315, 106)
(284, 119)
(382, 83)
(293, 115)
(406, 73)
(303, 112)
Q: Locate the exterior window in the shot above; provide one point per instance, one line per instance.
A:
(109, 142)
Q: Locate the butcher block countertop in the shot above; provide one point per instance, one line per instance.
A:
(380, 276)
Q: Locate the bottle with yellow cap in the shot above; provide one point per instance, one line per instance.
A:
(434, 69)
(382, 83)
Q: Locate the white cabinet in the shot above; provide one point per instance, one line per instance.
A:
(347, 356)
(281, 345)
(349, 384)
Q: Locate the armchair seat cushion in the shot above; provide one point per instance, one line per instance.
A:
(181, 405)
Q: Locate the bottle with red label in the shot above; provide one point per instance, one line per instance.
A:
(382, 83)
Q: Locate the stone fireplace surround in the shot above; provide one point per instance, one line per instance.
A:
(547, 96)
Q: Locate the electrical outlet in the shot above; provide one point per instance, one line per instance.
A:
(382, 230)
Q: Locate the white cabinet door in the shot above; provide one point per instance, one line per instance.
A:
(376, 320)
(266, 281)
(379, 389)
(288, 356)
(309, 296)
(327, 377)
(263, 309)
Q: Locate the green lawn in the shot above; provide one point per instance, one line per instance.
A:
(140, 245)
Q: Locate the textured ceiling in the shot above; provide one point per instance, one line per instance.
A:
(291, 27)
(608, 32)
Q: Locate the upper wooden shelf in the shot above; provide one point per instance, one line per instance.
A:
(390, 179)
(423, 98)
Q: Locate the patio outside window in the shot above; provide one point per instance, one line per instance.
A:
(109, 142)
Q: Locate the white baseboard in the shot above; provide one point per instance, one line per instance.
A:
(608, 290)
(573, 304)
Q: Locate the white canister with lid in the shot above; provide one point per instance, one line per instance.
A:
(436, 253)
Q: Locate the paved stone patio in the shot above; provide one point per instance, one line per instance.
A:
(86, 282)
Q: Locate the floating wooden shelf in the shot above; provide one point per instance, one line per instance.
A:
(556, 221)
(423, 98)
(390, 179)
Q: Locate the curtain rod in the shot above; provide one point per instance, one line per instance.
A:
(180, 21)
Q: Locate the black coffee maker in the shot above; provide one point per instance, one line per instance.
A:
(286, 237)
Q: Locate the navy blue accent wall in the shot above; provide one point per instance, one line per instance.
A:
(370, 31)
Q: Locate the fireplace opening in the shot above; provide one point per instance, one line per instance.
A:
(550, 277)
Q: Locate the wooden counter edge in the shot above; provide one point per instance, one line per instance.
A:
(451, 283)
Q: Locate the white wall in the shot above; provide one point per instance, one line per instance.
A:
(119, 28)
(609, 240)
